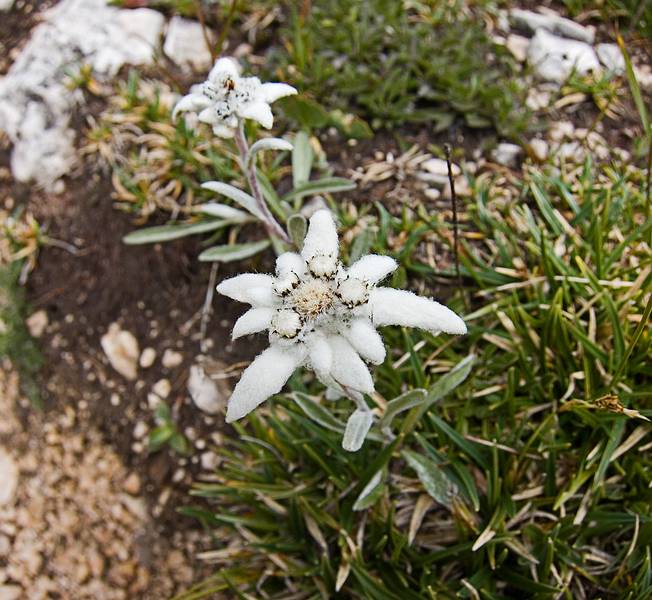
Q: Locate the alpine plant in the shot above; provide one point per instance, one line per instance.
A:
(225, 99)
(323, 316)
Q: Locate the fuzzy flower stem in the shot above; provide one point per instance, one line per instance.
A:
(271, 224)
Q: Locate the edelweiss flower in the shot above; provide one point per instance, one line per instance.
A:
(323, 315)
(225, 98)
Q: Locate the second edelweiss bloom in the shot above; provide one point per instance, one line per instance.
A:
(323, 316)
(225, 98)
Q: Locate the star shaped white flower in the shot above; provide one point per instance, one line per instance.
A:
(226, 98)
(323, 316)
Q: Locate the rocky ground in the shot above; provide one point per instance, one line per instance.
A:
(74, 522)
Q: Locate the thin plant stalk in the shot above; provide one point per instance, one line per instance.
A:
(456, 242)
(271, 224)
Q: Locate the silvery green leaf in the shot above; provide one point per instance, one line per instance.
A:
(297, 227)
(223, 211)
(431, 476)
(166, 233)
(356, 430)
(302, 157)
(371, 492)
(317, 412)
(320, 186)
(269, 144)
(245, 200)
(401, 403)
(232, 252)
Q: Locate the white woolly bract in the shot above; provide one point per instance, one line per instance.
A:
(399, 307)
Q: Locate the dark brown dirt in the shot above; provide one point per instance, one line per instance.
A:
(152, 291)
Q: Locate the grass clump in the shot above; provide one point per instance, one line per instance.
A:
(399, 62)
(524, 474)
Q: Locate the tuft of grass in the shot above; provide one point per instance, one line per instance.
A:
(632, 15)
(403, 62)
(524, 474)
(16, 344)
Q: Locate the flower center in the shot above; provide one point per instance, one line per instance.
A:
(312, 298)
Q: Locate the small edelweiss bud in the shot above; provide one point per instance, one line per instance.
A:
(323, 265)
(284, 285)
(353, 292)
(287, 323)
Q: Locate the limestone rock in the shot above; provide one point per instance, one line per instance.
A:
(185, 44)
(8, 478)
(121, 348)
(553, 23)
(554, 58)
(204, 392)
(36, 323)
(506, 154)
(35, 104)
(611, 57)
(147, 358)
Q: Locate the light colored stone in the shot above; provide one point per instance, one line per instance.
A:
(162, 388)
(611, 57)
(153, 401)
(518, 45)
(560, 130)
(204, 392)
(171, 359)
(506, 154)
(432, 194)
(5, 5)
(539, 149)
(553, 23)
(147, 358)
(140, 430)
(35, 103)
(554, 58)
(209, 461)
(131, 484)
(185, 44)
(121, 348)
(36, 323)
(8, 478)
(11, 592)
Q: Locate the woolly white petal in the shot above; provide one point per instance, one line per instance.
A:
(192, 102)
(365, 340)
(252, 288)
(273, 91)
(253, 321)
(224, 66)
(348, 369)
(320, 353)
(223, 131)
(333, 394)
(399, 307)
(209, 115)
(372, 268)
(263, 378)
(321, 239)
(258, 111)
(288, 263)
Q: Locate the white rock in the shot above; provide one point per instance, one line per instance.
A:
(140, 430)
(8, 478)
(644, 76)
(162, 388)
(506, 154)
(435, 172)
(204, 392)
(11, 592)
(35, 104)
(121, 348)
(554, 59)
(5, 5)
(611, 57)
(553, 23)
(571, 152)
(517, 45)
(185, 44)
(209, 461)
(432, 194)
(539, 149)
(171, 359)
(153, 401)
(560, 130)
(147, 358)
(36, 323)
